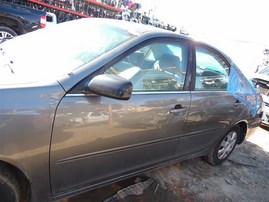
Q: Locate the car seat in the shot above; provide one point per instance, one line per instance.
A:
(137, 59)
(169, 63)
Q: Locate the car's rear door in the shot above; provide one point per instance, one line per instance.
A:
(212, 108)
(96, 139)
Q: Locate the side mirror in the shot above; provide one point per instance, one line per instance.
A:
(112, 86)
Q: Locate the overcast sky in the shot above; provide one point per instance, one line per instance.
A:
(238, 27)
(244, 19)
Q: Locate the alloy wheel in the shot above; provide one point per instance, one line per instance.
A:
(5, 35)
(227, 145)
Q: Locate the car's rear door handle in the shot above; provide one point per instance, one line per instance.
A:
(238, 103)
(178, 109)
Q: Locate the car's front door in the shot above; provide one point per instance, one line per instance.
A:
(96, 138)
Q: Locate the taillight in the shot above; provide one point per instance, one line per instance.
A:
(43, 21)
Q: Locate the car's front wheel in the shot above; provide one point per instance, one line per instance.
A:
(9, 188)
(224, 147)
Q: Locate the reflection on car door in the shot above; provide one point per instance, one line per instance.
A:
(129, 135)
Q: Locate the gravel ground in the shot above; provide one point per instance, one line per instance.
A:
(243, 177)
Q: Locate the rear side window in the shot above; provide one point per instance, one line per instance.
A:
(211, 71)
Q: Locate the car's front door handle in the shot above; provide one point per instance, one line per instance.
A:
(178, 109)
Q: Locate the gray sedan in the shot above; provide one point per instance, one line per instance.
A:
(92, 101)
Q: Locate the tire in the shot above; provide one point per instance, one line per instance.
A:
(224, 147)
(9, 187)
(6, 32)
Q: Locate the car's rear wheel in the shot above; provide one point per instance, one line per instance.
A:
(9, 187)
(6, 33)
(224, 147)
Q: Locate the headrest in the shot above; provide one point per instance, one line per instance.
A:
(168, 60)
(137, 58)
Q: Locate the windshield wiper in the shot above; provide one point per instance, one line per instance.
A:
(2, 51)
(7, 63)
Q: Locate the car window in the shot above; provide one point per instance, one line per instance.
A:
(211, 71)
(57, 58)
(264, 71)
(156, 66)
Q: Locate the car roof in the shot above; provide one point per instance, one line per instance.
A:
(133, 28)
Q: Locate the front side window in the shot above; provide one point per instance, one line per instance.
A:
(158, 66)
(211, 71)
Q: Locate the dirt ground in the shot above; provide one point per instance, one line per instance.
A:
(243, 177)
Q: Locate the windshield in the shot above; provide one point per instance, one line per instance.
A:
(58, 50)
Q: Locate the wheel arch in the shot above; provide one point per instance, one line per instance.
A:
(21, 178)
(11, 23)
(243, 128)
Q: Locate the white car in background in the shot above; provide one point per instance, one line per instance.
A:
(261, 80)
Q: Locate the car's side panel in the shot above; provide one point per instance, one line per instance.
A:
(127, 137)
(25, 130)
